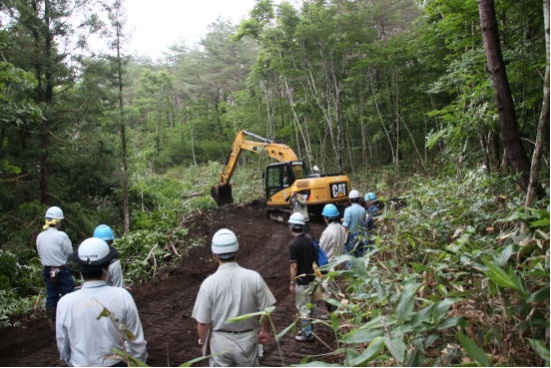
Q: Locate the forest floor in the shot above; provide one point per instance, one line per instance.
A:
(165, 303)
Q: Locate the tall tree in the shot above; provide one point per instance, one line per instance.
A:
(116, 15)
(543, 123)
(516, 154)
(48, 37)
(17, 111)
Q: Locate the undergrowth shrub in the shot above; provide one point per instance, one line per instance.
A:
(459, 275)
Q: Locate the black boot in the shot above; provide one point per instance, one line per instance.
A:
(50, 315)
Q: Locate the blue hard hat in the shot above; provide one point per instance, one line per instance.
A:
(370, 196)
(104, 232)
(330, 210)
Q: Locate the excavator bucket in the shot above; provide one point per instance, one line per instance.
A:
(222, 194)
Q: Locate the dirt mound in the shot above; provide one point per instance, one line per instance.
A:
(165, 304)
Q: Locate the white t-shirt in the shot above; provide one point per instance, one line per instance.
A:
(114, 274)
(85, 339)
(332, 240)
(230, 292)
(54, 246)
(299, 204)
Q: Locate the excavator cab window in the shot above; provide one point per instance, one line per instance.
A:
(299, 170)
(278, 176)
(282, 175)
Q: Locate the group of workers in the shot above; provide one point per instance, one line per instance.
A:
(347, 235)
(101, 317)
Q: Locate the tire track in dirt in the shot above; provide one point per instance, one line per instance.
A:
(166, 303)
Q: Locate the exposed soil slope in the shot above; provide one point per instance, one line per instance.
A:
(165, 304)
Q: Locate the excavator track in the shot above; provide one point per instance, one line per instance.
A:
(279, 215)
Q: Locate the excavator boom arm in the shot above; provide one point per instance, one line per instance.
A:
(278, 151)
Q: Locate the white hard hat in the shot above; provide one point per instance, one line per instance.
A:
(297, 218)
(95, 252)
(54, 212)
(224, 241)
(354, 194)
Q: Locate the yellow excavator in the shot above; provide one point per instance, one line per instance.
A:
(283, 178)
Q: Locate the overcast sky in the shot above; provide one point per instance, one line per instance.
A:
(155, 25)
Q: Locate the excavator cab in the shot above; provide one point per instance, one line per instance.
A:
(282, 175)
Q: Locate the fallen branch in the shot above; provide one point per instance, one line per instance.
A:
(154, 259)
(193, 195)
(174, 249)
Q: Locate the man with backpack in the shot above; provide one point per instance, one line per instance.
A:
(301, 258)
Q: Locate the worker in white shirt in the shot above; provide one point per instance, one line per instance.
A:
(230, 292)
(98, 318)
(299, 203)
(54, 246)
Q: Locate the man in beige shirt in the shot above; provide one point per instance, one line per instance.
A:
(230, 292)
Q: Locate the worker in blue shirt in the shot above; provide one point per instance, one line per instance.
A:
(353, 220)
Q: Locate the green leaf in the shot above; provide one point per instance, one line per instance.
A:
(503, 278)
(318, 364)
(418, 267)
(442, 308)
(133, 361)
(265, 312)
(362, 335)
(540, 223)
(407, 299)
(104, 313)
(449, 322)
(505, 255)
(473, 350)
(368, 354)
(541, 349)
(397, 348)
(538, 296)
(285, 330)
(191, 362)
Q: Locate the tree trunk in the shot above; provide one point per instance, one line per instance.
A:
(485, 149)
(117, 23)
(45, 96)
(44, 181)
(298, 126)
(385, 128)
(510, 135)
(543, 123)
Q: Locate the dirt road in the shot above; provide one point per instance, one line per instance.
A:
(165, 304)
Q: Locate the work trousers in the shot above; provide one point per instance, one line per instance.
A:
(56, 287)
(353, 245)
(305, 308)
(234, 349)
